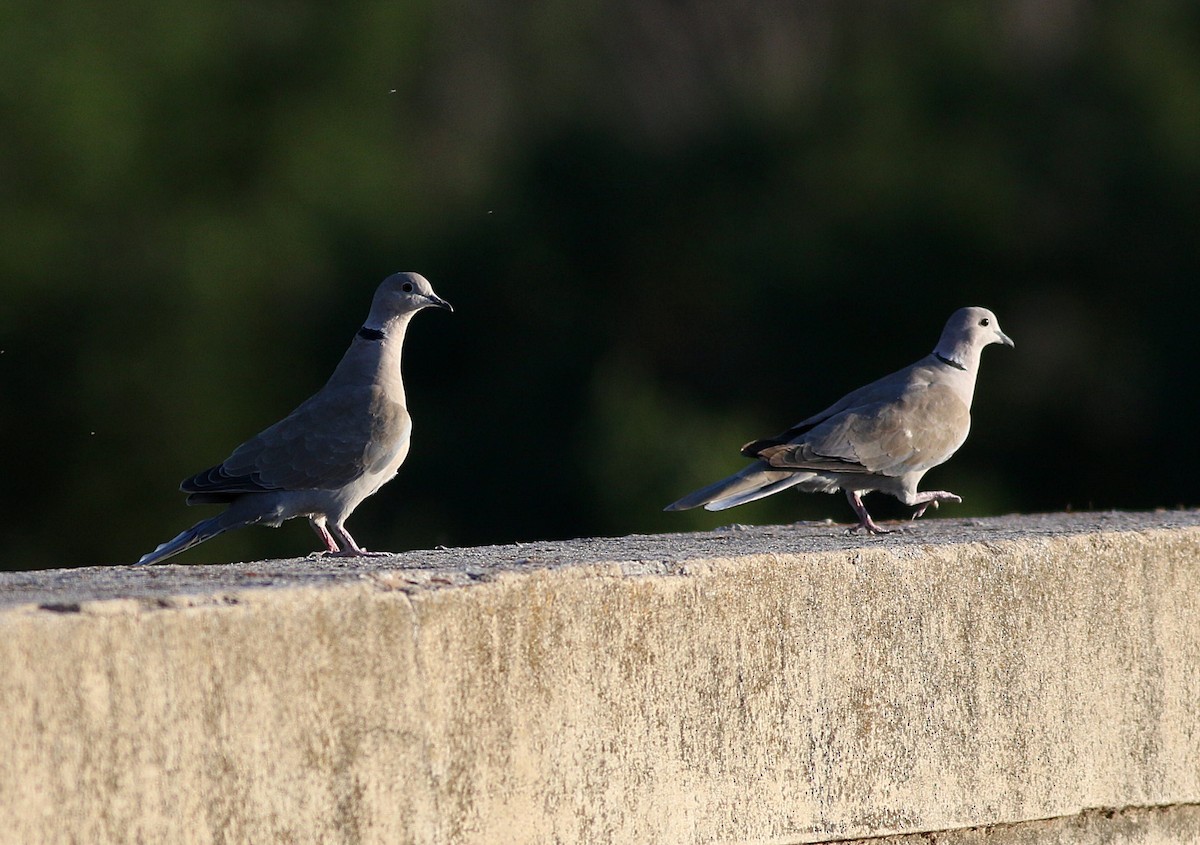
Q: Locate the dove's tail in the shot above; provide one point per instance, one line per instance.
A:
(196, 535)
(750, 484)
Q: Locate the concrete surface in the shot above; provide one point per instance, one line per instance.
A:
(1174, 825)
(767, 685)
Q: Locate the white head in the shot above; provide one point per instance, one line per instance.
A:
(402, 295)
(967, 331)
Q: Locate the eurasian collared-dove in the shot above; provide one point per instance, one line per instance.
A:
(883, 437)
(341, 445)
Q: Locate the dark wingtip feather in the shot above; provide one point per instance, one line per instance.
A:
(216, 486)
(751, 449)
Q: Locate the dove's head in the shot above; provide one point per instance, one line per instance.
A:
(401, 295)
(967, 331)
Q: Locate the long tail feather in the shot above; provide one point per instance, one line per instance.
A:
(194, 536)
(751, 483)
(754, 494)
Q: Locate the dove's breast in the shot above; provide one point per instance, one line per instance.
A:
(936, 423)
(390, 432)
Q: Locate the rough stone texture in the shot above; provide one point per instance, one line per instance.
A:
(1174, 825)
(775, 684)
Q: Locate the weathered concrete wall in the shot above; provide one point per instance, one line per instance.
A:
(767, 685)
(1174, 825)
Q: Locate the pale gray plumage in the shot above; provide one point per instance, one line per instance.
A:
(337, 448)
(884, 436)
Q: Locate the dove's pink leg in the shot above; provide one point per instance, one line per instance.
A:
(323, 533)
(931, 497)
(351, 548)
(864, 518)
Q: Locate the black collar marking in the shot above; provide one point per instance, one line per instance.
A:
(949, 362)
(370, 334)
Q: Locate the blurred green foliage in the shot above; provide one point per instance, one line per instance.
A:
(667, 228)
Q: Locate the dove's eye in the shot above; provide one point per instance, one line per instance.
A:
(406, 287)
(985, 322)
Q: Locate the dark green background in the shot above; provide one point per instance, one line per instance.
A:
(668, 228)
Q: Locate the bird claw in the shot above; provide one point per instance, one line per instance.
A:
(869, 527)
(354, 553)
(934, 499)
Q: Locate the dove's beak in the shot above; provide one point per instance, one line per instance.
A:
(1006, 340)
(437, 302)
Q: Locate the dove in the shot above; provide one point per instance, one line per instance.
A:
(337, 448)
(882, 437)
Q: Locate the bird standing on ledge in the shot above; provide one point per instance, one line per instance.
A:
(340, 446)
(884, 436)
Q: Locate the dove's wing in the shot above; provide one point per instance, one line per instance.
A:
(912, 432)
(881, 390)
(329, 441)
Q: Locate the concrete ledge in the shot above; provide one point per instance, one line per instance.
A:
(1172, 825)
(991, 679)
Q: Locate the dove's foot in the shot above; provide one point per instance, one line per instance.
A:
(346, 553)
(355, 553)
(932, 497)
(864, 518)
(870, 526)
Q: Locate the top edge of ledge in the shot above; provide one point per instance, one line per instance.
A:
(185, 585)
